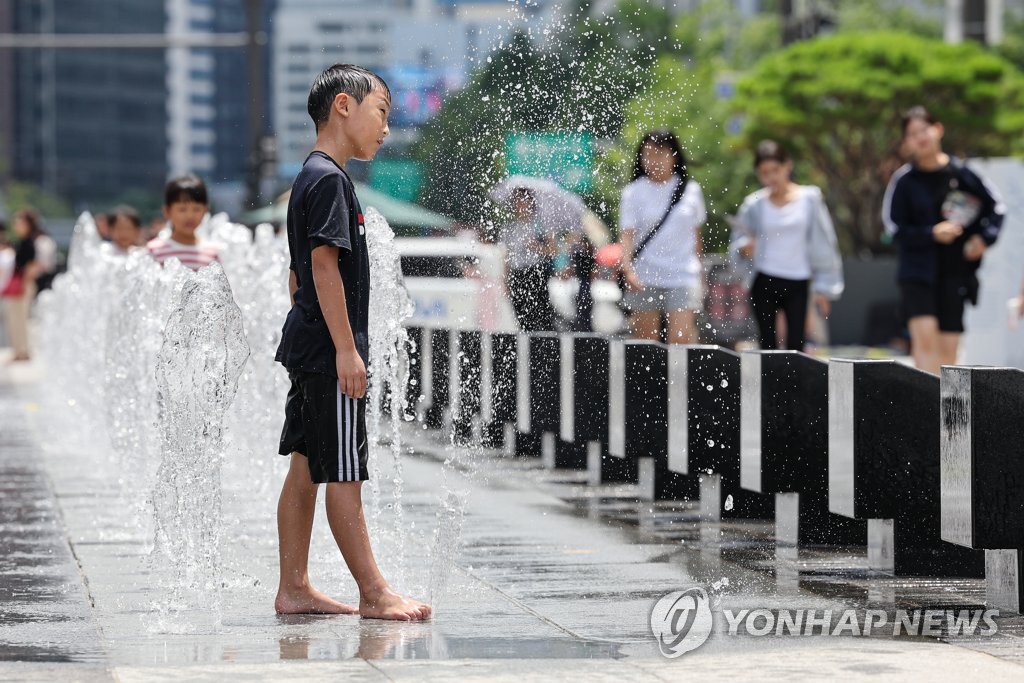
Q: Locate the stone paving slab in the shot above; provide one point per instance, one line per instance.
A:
(44, 606)
(551, 581)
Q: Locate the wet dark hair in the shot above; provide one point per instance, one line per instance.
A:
(35, 223)
(128, 213)
(666, 139)
(769, 150)
(186, 188)
(917, 113)
(340, 78)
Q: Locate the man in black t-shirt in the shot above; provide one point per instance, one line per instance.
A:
(324, 346)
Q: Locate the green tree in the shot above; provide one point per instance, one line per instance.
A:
(837, 102)
(20, 195)
(688, 93)
(882, 15)
(580, 81)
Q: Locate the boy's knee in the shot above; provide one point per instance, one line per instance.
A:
(344, 487)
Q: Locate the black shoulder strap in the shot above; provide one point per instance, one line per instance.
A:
(677, 194)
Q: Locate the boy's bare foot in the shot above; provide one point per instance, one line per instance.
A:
(387, 604)
(309, 601)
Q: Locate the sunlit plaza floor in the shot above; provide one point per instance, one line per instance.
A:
(551, 579)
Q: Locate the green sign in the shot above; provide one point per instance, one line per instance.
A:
(566, 158)
(398, 178)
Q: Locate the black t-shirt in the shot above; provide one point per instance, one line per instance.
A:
(948, 200)
(24, 254)
(323, 211)
(940, 183)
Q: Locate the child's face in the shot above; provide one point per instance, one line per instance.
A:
(367, 123)
(185, 217)
(124, 233)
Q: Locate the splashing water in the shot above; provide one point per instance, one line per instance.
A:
(447, 539)
(197, 373)
(166, 385)
(390, 307)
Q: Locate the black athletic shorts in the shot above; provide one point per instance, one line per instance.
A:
(327, 427)
(944, 301)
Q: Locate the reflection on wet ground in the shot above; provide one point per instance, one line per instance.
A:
(549, 569)
(747, 547)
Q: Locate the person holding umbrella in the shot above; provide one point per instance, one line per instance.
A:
(542, 216)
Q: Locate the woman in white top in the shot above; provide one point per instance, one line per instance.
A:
(785, 232)
(663, 271)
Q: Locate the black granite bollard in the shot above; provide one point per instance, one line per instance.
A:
(539, 395)
(498, 368)
(436, 376)
(584, 403)
(884, 462)
(982, 473)
(638, 419)
(703, 430)
(465, 392)
(784, 448)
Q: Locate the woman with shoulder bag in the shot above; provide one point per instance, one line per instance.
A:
(660, 217)
(784, 233)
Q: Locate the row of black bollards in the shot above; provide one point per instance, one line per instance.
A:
(928, 473)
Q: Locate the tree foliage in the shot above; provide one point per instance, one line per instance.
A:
(19, 195)
(837, 102)
(722, 82)
(689, 92)
(578, 78)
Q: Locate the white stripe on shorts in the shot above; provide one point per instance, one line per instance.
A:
(348, 456)
(353, 451)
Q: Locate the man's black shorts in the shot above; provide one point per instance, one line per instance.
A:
(327, 427)
(944, 301)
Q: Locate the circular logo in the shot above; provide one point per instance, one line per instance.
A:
(682, 621)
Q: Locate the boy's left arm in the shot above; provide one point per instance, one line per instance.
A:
(293, 285)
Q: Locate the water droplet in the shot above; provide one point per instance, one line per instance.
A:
(728, 502)
(725, 383)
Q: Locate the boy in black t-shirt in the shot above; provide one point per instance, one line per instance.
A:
(325, 344)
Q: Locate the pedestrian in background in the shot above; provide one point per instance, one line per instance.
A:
(20, 289)
(104, 221)
(943, 216)
(6, 257)
(530, 250)
(47, 256)
(784, 237)
(660, 218)
(125, 230)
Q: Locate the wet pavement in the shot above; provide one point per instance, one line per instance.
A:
(552, 579)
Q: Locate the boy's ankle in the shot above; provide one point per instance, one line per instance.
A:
(373, 590)
(299, 584)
